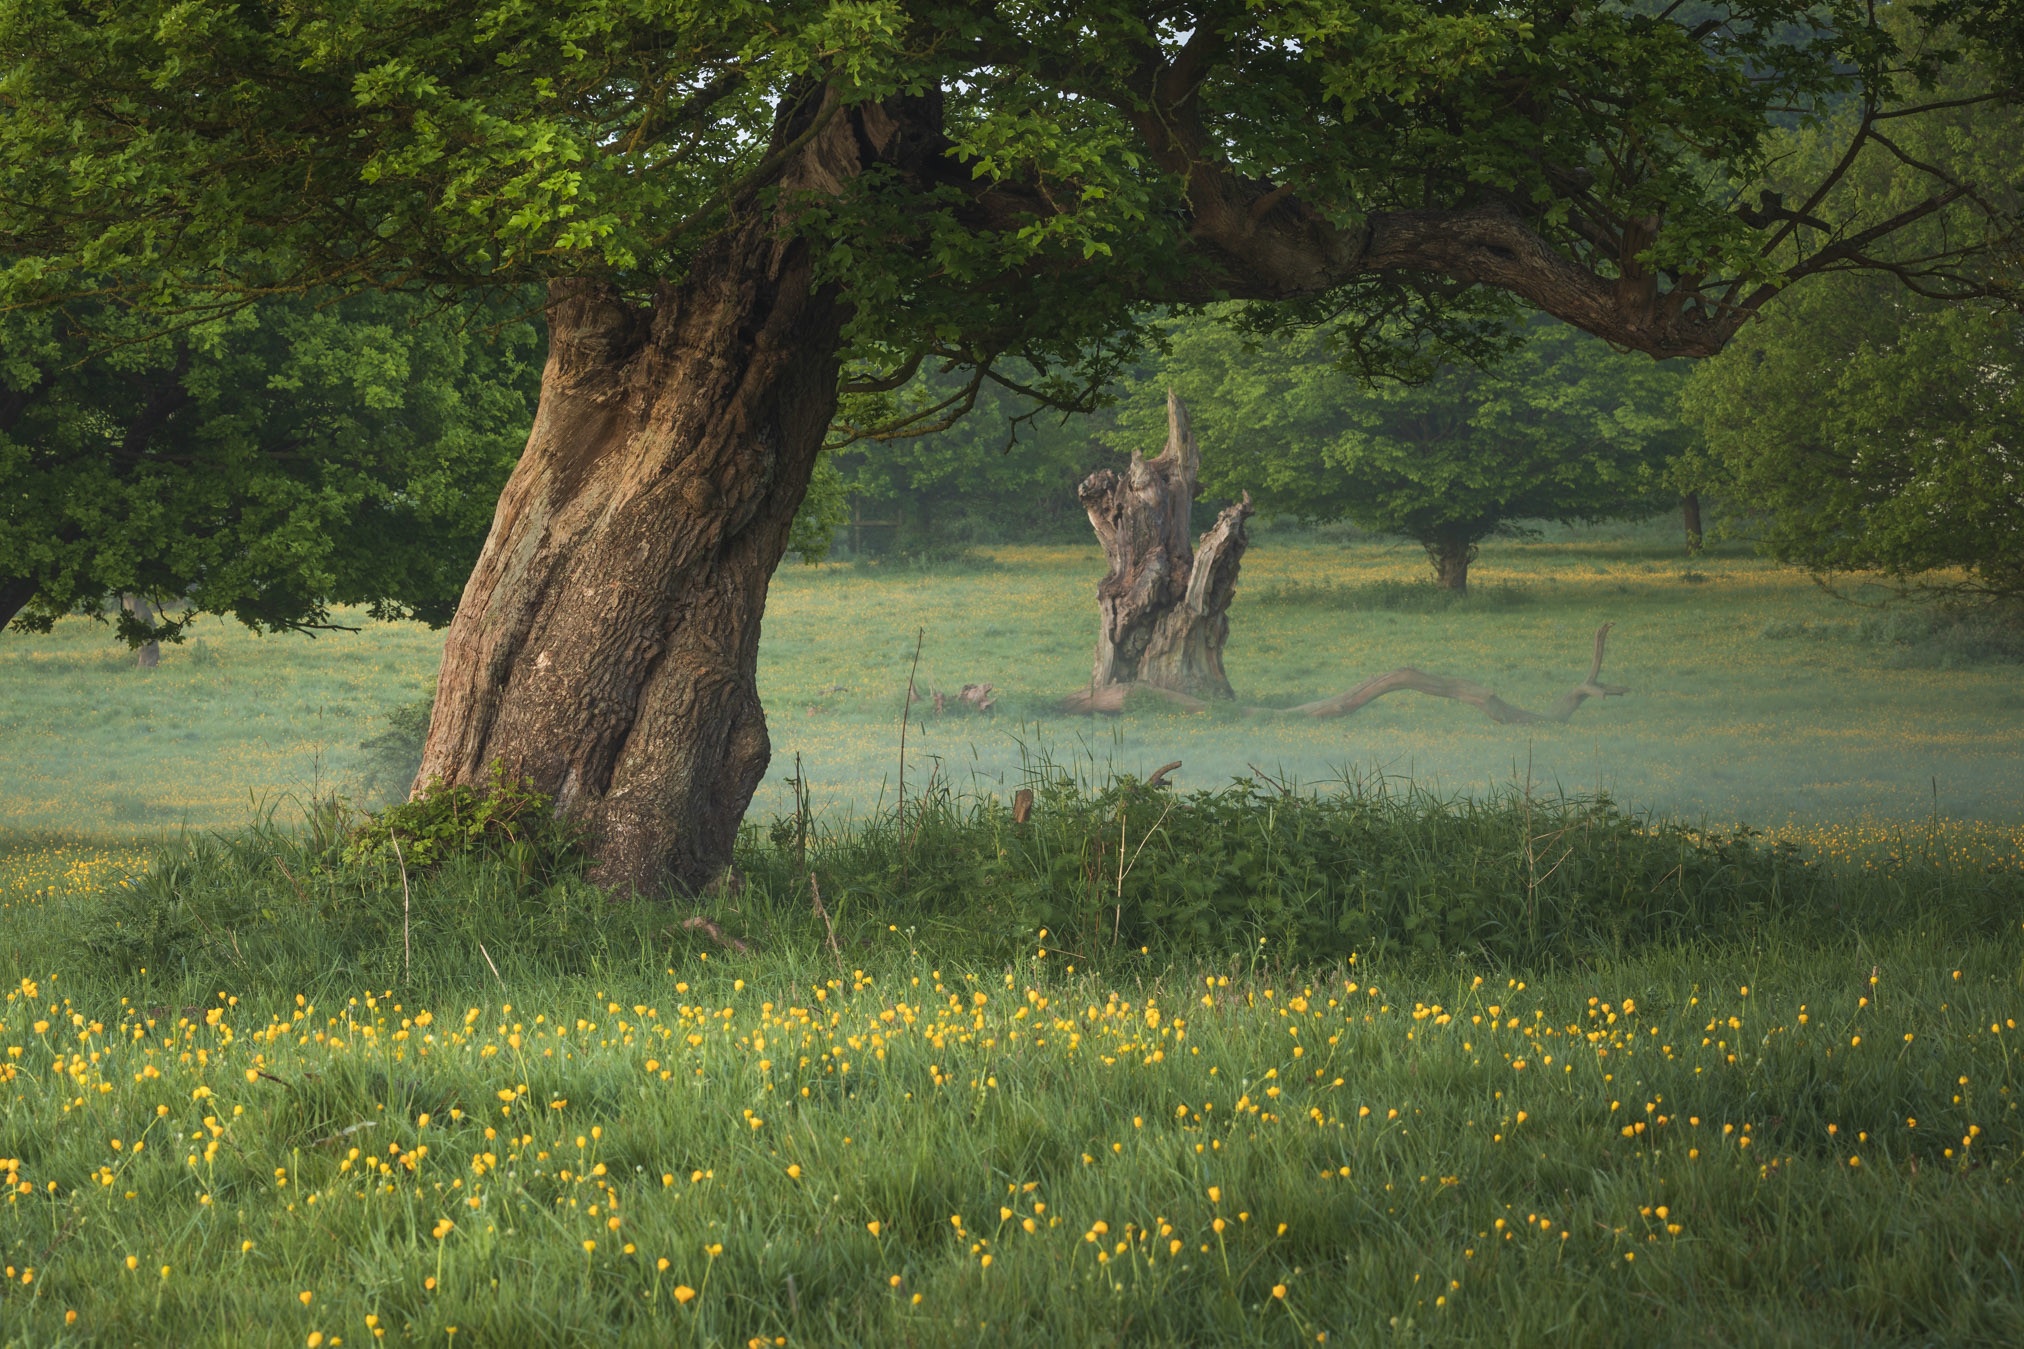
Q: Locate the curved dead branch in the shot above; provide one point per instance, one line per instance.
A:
(1111, 698)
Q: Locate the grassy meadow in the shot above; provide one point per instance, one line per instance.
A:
(1441, 1057)
(250, 1096)
(1755, 696)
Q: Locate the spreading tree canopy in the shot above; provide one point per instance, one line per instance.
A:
(1073, 159)
(744, 208)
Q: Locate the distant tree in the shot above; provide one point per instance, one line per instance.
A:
(823, 511)
(268, 466)
(1559, 427)
(1873, 428)
(1007, 470)
(1872, 433)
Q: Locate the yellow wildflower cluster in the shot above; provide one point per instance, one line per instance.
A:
(35, 875)
(1962, 844)
(620, 1126)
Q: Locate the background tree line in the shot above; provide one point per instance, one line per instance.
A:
(1547, 424)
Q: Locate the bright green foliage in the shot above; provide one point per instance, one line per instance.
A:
(1874, 430)
(267, 465)
(1560, 429)
(503, 817)
(1878, 435)
(822, 513)
(187, 148)
(164, 160)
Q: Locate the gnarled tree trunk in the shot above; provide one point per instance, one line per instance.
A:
(1451, 556)
(606, 645)
(1690, 516)
(1164, 606)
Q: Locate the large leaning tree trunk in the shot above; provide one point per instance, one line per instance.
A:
(606, 645)
(1164, 606)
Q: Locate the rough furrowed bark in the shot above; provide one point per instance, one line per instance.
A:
(1163, 606)
(605, 649)
(1112, 699)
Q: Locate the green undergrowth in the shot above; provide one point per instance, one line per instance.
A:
(1125, 875)
(1370, 867)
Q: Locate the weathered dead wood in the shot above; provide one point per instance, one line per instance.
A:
(1111, 700)
(1163, 605)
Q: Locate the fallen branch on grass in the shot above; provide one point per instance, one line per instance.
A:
(714, 933)
(1111, 698)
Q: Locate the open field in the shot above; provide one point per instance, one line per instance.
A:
(1755, 695)
(232, 1111)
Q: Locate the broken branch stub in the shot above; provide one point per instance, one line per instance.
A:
(1163, 606)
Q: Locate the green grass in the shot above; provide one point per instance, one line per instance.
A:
(1755, 695)
(1360, 1030)
(1800, 1127)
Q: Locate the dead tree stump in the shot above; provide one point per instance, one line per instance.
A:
(1164, 606)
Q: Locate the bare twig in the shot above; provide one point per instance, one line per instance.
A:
(815, 890)
(489, 965)
(715, 933)
(346, 1133)
(1126, 870)
(291, 880)
(407, 903)
(906, 711)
